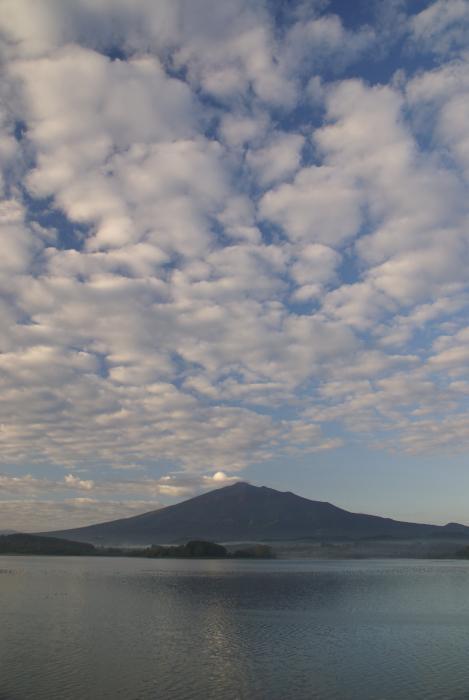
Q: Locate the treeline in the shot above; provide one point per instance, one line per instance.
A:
(201, 548)
(20, 543)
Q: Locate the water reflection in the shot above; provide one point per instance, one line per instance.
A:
(102, 628)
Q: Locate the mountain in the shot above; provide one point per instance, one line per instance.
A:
(242, 512)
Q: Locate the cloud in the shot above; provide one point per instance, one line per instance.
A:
(225, 49)
(26, 501)
(278, 159)
(26, 515)
(76, 482)
(221, 243)
(323, 41)
(319, 206)
(439, 98)
(443, 27)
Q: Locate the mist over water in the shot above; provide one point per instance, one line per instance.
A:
(78, 628)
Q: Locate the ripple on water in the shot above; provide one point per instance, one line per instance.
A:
(87, 628)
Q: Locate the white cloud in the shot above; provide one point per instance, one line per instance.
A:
(443, 26)
(26, 515)
(314, 266)
(439, 98)
(240, 129)
(77, 483)
(320, 205)
(278, 159)
(324, 41)
(210, 251)
(25, 501)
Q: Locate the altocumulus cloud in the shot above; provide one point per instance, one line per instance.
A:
(221, 243)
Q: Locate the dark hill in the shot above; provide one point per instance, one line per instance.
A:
(242, 512)
(20, 543)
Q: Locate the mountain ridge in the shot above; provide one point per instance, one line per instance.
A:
(242, 512)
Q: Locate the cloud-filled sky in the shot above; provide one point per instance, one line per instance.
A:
(234, 244)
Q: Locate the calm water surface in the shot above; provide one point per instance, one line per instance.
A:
(98, 629)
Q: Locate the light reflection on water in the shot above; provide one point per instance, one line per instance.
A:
(84, 628)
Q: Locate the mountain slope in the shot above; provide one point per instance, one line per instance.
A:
(250, 513)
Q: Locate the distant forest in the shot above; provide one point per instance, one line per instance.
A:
(19, 543)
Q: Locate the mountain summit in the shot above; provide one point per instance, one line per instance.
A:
(242, 512)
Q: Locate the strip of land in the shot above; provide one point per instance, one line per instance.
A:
(27, 544)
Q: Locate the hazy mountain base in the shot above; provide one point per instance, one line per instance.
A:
(385, 548)
(419, 548)
(372, 548)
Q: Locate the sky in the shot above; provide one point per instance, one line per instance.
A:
(234, 245)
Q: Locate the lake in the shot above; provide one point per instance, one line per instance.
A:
(96, 629)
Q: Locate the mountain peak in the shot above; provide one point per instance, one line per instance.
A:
(243, 512)
(240, 485)
(247, 486)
